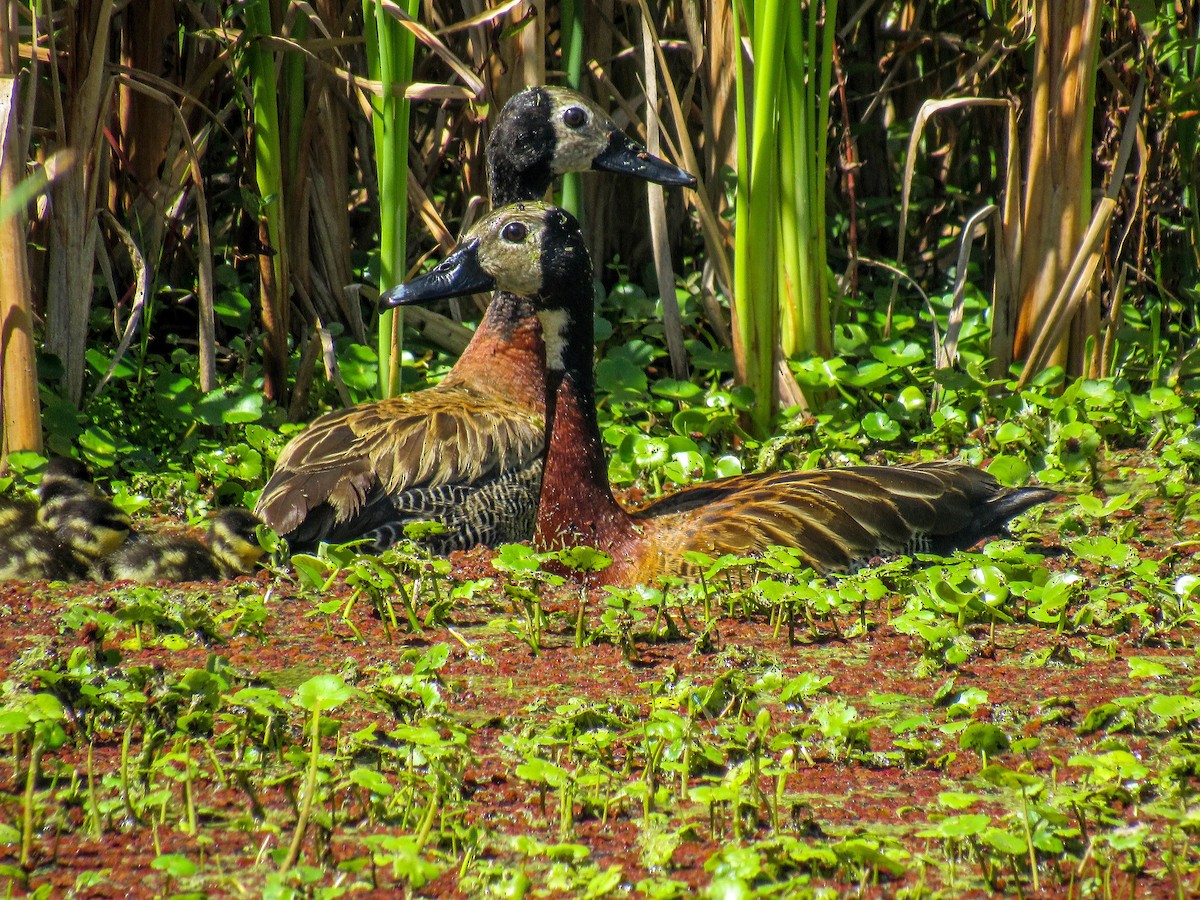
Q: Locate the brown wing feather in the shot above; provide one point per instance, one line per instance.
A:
(837, 517)
(444, 435)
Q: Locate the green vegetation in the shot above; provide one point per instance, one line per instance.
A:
(1008, 721)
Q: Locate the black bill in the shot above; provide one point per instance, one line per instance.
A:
(625, 157)
(457, 275)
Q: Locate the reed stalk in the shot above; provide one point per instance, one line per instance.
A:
(781, 277)
(269, 168)
(572, 50)
(390, 49)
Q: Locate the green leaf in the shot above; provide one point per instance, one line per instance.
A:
(879, 426)
(1009, 470)
(322, 692)
(620, 375)
(898, 354)
(957, 799)
(984, 738)
(1004, 842)
(174, 864)
(1140, 667)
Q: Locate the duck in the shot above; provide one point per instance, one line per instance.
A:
(231, 549)
(838, 519)
(468, 452)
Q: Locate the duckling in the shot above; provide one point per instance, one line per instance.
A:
(838, 518)
(73, 508)
(64, 478)
(16, 515)
(232, 549)
(61, 478)
(31, 551)
(467, 452)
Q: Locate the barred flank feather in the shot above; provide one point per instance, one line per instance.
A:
(840, 518)
(367, 471)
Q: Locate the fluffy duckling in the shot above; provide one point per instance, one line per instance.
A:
(77, 513)
(31, 551)
(16, 515)
(63, 536)
(232, 549)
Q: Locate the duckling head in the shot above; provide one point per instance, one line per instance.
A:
(63, 478)
(233, 539)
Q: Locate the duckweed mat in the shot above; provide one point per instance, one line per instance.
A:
(1019, 720)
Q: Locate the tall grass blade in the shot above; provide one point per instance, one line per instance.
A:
(390, 49)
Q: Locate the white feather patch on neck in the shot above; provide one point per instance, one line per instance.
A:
(554, 332)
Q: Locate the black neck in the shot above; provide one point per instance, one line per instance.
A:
(509, 185)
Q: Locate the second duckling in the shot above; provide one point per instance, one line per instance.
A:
(86, 529)
(231, 549)
(80, 516)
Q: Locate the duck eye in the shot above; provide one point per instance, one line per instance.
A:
(574, 116)
(514, 232)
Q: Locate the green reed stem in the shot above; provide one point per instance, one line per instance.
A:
(390, 49)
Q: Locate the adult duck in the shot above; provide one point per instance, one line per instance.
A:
(468, 452)
(838, 518)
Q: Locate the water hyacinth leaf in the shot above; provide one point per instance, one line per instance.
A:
(912, 400)
(174, 864)
(358, 364)
(682, 391)
(1175, 708)
(1012, 780)
(583, 559)
(230, 406)
(650, 452)
(957, 799)
(727, 466)
(1186, 586)
(1115, 765)
(817, 373)
(868, 375)
(987, 740)
(1010, 433)
(1139, 667)
(862, 853)
(539, 771)
(953, 827)
(1009, 470)
(322, 692)
(620, 376)
(1006, 843)
(517, 558)
(879, 426)
(898, 354)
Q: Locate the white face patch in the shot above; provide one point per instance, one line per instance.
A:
(554, 332)
(516, 265)
(577, 146)
(512, 242)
